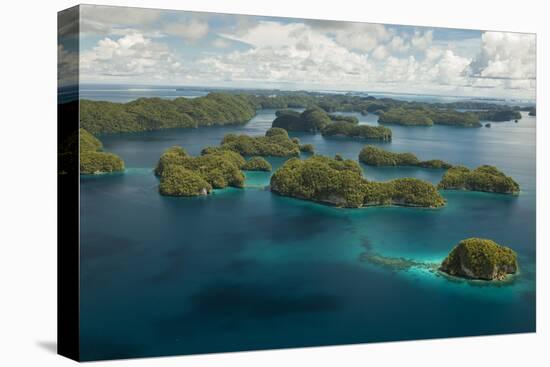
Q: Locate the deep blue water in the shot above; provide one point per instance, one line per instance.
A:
(245, 269)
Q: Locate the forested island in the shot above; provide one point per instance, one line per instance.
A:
(317, 120)
(275, 143)
(148, 114)
(477, 258)
(427, 116)
(375, 156)
(340, 183)
(92, 158)
(238, 107)
(484, 178)
(348, 129)
(184, 175)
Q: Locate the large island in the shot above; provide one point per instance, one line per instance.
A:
(340, 183)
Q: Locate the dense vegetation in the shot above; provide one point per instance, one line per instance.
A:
(220, 108)
(484, 178)
(146, 114)
(340, 183)
(479, 258)
(317, 120)
(426, 116)
(179, 181)
(342, 128)
(257, 164)
(533, 111)
(216, 167)
(498, 115)
(311, 120)
(375, 156)
(350, 119)
(93, 160)
(405, 116)
(275, 143)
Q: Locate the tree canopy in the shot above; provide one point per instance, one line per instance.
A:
(147, 114)
(93, 160)
(216, 167)
(484, 178)
(340, 183)
(375, 156)
(480, 258)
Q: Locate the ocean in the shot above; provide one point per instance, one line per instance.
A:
(245, 269)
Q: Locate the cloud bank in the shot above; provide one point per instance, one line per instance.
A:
(143, 46)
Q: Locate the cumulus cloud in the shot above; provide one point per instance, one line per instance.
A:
(131, 55)
(314, 53)
(356, 36)
(324, 54)
(296, 54)
(421, 40)
(505, 56)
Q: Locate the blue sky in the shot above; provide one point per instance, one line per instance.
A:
(145, 46)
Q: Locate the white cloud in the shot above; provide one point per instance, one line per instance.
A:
(306, 53)
(191, 30)
(129, 56)
(362, 37)
(506, 56)
(297, 54)
(380, 52)
(421, 40)
(398, 44)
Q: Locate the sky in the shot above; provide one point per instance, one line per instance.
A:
(163, 47)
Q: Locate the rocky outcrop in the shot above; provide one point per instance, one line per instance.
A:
(477, 258)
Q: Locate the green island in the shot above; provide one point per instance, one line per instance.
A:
(484, 178)
(147, 114)
(93, 160)
(498, 115)
(427, 116)
(374, 156)
(348, 129)
(340, 183)
(317, 120)
(184, 175)
(257, 164)
(238, 107)
(275, 143)
(310, 120)
(477, 258)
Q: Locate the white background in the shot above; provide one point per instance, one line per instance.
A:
(28, 184)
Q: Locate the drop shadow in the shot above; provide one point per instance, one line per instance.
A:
(48, 345)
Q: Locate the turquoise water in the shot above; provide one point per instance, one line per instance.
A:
(245, 269)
